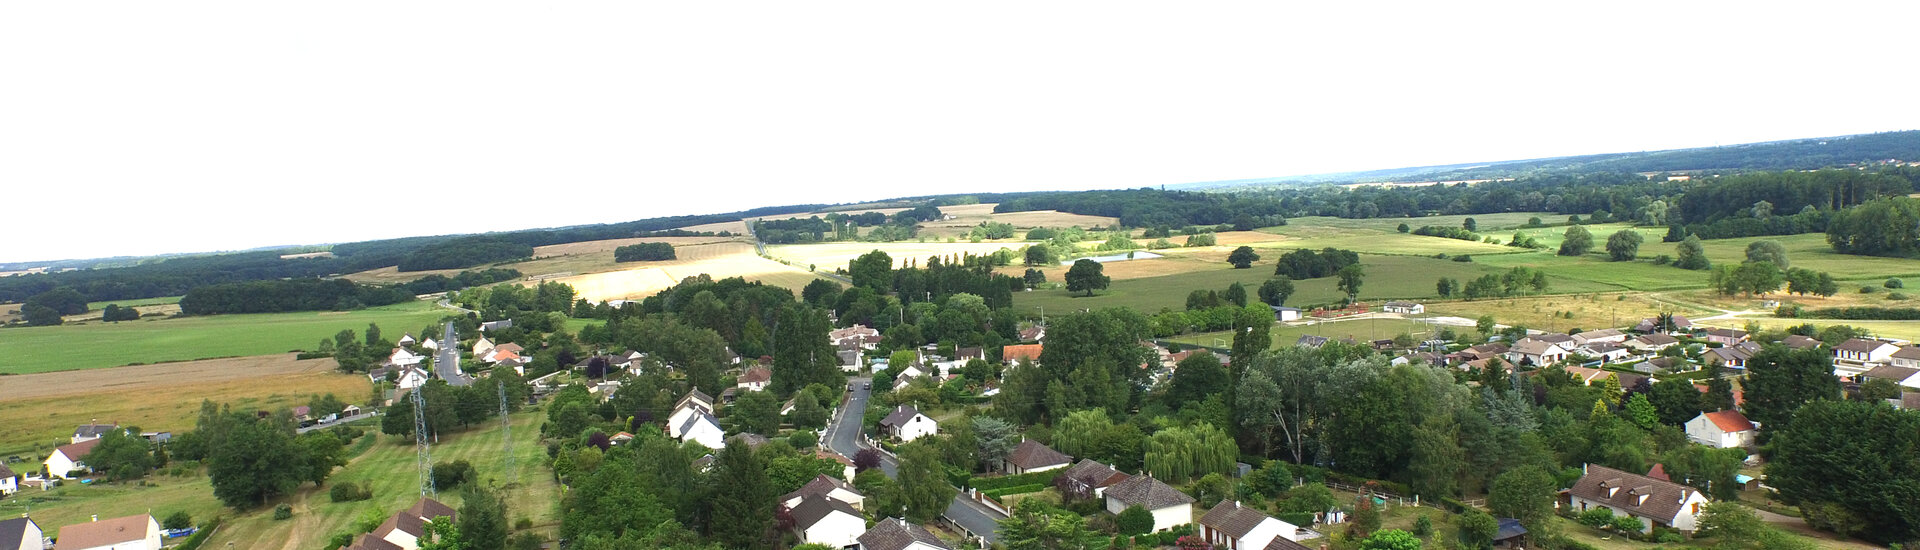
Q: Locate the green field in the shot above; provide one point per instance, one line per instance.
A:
(1484, 223)
(1388, 277)
(387, 464)
(139, 302)
(1596, 270)
(1371, 241)
(1362, 330)
(1811, 251)
(151, 340)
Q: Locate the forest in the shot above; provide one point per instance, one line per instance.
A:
(288, 295)
(643, 252)
(463, 252)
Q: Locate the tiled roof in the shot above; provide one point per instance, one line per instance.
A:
(821, 485)
(900, 416)
(1796, 341)
(1032, 454)
(1892, 373)
(1233, 519)
(1730, 421)
(370, 542)
(1283, 543)
(106, 532)
(1147, 492)
(814, 508)
(756, 374)
(1102, 475)
(79, 450)
(897, 534)
(93, 430)
(1663, 502)
(1029, 352)
(1657, 339)
(1860, 345)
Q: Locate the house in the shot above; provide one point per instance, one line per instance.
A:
(1648, 326)
(755, 379)
(1310, 341)
(693, 404)
(1535, 352)
(1035, 334)
(1234, 527)
(20, 534)
(1092, 478)
(1169, 506)
(1510, 532)
(1651, 343)
(1857, 356)
(1586, 376)
(407, 339)
(857, 336)
(699, 427)
(404, 529)
(851, 360)
(9, 484)
(1908, 357)
(1032, 456)
(429, 344)
(1734, 356)
(1409, 308)
(139, 532)
(1428, 357)
(91, 431)
(964, 355)
(1476, 353)
(1020, 352)
(1564, 341)
(1796, 341)
(1907, 377)
(822, 520)
(403, 358)
(66, 459)
(827, 486)
(1653, 502)
(482, 347)
(1727, 336)
(1721, 430)
(1284, 313)
(1908, 401)
(897, 534)
(1602, 336)
(1605, 352)
(907, 424)
(491, 326)
(751, 440)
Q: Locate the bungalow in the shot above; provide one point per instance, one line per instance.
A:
(67, 459)
(1035, 334)
(403, 358)
(1231, 526)
(429, 344)
(822, 520)
(1603, 336)
(404, 529)
(1721, 430)
(1727, 336)
(1284, 313)
(407, 339)
(1409, 308)
(1311, 341)
(857, 336)
(1734, 356)
(1907, 377)
(1563, 341)
(1796, 341)
(1650, 325)
(755, 379)
(1653, 502)
(21, 534)
(907, 424)
(93, 431)
(897, 534)
(1479, 352)
(139, 532)
(1908, 357)
(827, 486)
(1857, 356)
(1651, 343)
(1092, 478)
(1535, 352)
(1605, 352)
(1032, 456)
(1020, 352)
(9, 484)
(1169, 506)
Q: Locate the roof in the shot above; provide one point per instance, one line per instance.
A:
(413, 520)
(1397, 303)
(1509, 528)
(1030, 454)
(1090, 469)
(1489, 348)
(897, 534)
(756, 374)
(4, 474)
(820, 486)
(1033, 333)
(1796, 341)
(370, 542)
(1233, 519)
(1283, 543)
(106, 532)
(1860, 345)
(814, 508)
(1147, 492)
(1659, 472)
(1657, 339)
(751, 440)
(1311, 341)
(1663, 502)
(14, 531)
(1729, 421)
(900, 416)
(93, 430)
(687, 426)
(1552, 338)
(77, 450)
(1890, 372)
(1727, 333)
(1597, 334)
(1536, 347)
(696, 394)
(1909, 352)
(1030, 352)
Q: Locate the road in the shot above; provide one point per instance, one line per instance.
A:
(448, 365)
(843, 436)
(342, 420)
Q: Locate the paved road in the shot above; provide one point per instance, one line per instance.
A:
(843, 436)
(343, 420)
(448, 365)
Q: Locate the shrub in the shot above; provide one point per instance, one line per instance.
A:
(1894, 282)
(1662, 259)
(1463, 258)
(1015, 490)
(1302, 519)
(1896, 296)
(1596, 518)
(1135, 520)
(526, 541)
(1664, 535)
(1423, 526)
(346, 491)
(1627, 524)
(178, 520)
(1868, 290)
(523, 524)
(282, 511)
(199, 538)
(447, 475)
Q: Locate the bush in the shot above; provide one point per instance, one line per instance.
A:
(1627, 524)
(347, 491)
(1665, 535)
(1134, 520)
(178, 520)
(1298, 519)
(1662, 259)
(523, 524)
(1596, 518)
(1001, 482)
(1423, 526)
(199, 538)
(447, 475)
(526, 541)
(1896, 296)
(1463, 258)
(1015, 490)
(643, 252)
(1894, 282)
(282, 511)
(1868, 290)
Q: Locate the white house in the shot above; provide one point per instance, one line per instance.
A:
(1908, 377)
(1234, 527)
(1721, 430)
(1654, 502)
(822, 520)
(1857, 356)
(1409, 308)
(1535, 352)
(1032, 456)
(755, 379)
(482, 347)
(1651, 343)
(20, 534)
(129, 533)
(1605, 352)
(907, 424)
(701, 427)
(1284, 313)
(407, 339)
(402, 357)
(897, 534)
(1605, 336)
(1169, 506)
(9, 484)
(405, 527)
(855, 337)
(829, 487)
(87, 432)
(66, 459)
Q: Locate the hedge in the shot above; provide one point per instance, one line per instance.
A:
(1862, 313)
(1015, 490)
(1298, 519)
(1001, 482)
(199, 537)
(1388, 486)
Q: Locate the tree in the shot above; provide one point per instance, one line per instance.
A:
(1180, 454)
(126, 456)
(1236, 294)
(807, 412)
(1525, 493)
(1033, 278)
(1470, 225)
(1364, 520)
(1675, 401)
(1196, 377)
(254, 461)
(1252, 333)
(40, 316)
(1577, 241)
(1780, 380)
(1242, 257)
(1350, 279)
(873, 270)
(1086, 275)
(1445, 286)
(1485, 325)
(483, 519)
(1403, 228)
(1038, 254)
(755, 412)
(1690, 254)
(1035, 525)
(1887, 227)
(1768, 251)
(1436, 459)
(994, 439)
(1275, 291)
(1641, 412)
(1477, 529)
(1851, 465)
(742, 497)
(1623, 245)
(923, 485)
(1135, 520)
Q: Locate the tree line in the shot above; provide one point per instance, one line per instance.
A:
(644, 252)
(289, 295)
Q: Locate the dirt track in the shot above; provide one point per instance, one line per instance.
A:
(164, 375)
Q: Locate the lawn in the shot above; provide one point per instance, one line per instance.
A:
(1811, 251)
(1372, 241)
(1589, 311)
(1599, 273)
(154, 340)
(1388, 277)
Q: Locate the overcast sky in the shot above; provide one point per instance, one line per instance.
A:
(150, 127)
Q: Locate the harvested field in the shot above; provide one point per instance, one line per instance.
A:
(607, 246)
(735, 227)
(43, 407)
(968, 216)
(581, 257)
(831, 256)
(720, 260)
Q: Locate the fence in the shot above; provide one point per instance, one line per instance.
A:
(988, 501)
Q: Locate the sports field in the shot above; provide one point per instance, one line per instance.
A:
(157, 340)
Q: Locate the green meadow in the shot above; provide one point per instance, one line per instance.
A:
(95, 344)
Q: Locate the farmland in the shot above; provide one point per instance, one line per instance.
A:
(580, 257)
(830, 256)
(155, 340)
(1564, 312)
(720, 260)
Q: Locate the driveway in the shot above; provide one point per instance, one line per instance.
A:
(843, 436)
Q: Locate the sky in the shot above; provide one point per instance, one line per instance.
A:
(133, 128)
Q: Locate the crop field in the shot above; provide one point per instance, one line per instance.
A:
(1904, 330)
(1388, 277)
(138, 303)
(1650, 244)
(1372, 241)
(965, 217)
(734, 227)
(155, 340)
(581, 257)
(1551, 313)
(1485, 223)
(720, 260)
(42, 409)
(830, 256)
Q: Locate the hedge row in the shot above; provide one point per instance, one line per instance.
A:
(1863, 313)
(1015, 490)
(1002, 482)
(199, 537)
